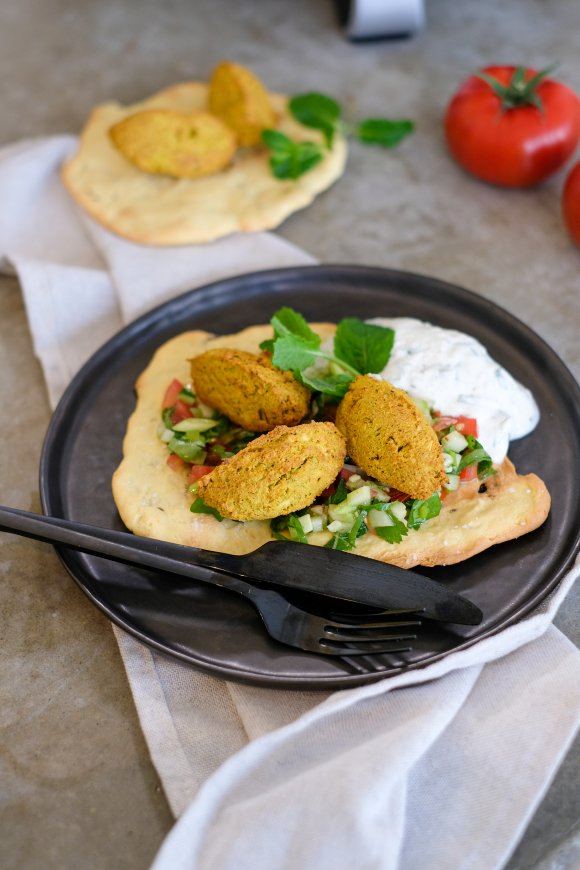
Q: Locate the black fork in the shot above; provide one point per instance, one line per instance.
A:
(345, 634)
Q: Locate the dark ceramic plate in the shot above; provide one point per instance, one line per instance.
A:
(221, 633)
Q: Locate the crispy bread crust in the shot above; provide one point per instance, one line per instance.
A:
(153, 500)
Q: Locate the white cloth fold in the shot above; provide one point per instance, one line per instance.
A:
(445, 773)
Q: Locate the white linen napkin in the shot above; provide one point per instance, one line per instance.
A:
(446, 773)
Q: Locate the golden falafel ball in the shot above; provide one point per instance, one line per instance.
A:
(165, 142)
(248, 389)
(389, 438)
(240, 99)
(278, 473)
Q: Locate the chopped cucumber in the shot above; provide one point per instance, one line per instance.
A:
(194, 424)
(306, 522)
(452, 482)
(359, 497)
(378, 519)
(337, 526)
(398, 510)
(166, 435)
(454, 442)
(341, 512)
(317, 523)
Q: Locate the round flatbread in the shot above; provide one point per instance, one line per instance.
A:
(153, 499)
(159, 210)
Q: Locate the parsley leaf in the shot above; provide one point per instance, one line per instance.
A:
(295, 525)
(290, 159)
(475, 453)
(317, 111)
(346, 540)
(340, 494)
(392, 534)
(381, 131)
(200, 507)
(365, 346)
(423, 510)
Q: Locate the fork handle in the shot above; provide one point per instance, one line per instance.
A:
(121, 547)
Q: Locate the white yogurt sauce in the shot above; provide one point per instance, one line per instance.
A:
(456, 375)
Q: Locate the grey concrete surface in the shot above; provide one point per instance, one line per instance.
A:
(77, 787)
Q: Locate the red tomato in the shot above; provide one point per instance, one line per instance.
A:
(467, 426)
(198, 471)
(176, 463)
(515, 130)
(571, 203)
(172, 394)
(345, 473)
(181, 411)
(469, 473)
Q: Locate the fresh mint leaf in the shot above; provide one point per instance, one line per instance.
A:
(423, 510)
(392, 534)
(381, 131)
(364, 346)
(317, 111)
(334, 386)
(475, 453)
(293, 353)
(340, 494)
(286, 321)
(290, 159)
(200, 507)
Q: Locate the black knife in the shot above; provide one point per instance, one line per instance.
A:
(331, 573)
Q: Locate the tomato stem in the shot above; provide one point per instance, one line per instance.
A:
(520, 91)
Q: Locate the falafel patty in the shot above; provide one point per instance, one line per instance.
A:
(248, 389)
(389, 438)
(278, 473)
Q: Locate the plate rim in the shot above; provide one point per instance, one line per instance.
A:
(293, 273)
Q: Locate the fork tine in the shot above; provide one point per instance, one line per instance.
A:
(333, 648)
(358, 629)
(375, 637)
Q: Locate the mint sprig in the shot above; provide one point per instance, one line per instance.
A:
(359, 348)
(289, 159)
(381, 131)
(317, 111)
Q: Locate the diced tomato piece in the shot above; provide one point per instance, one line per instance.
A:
(467, 426)
(181, 411)
(176, 463)
(444, 423)
(326, 493)
(172, 393)
(469, 473)
(397, 495)
(345, 473)
(198, 471)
